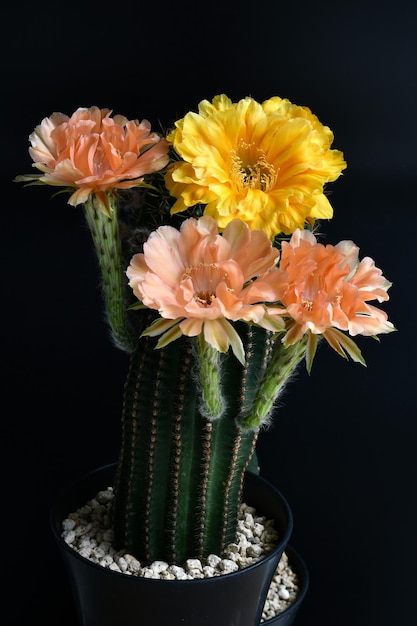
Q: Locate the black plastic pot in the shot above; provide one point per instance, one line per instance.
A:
(107, 598)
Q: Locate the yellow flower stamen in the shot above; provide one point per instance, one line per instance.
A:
(251, 169)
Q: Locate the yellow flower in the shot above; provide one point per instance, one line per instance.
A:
(265, 163)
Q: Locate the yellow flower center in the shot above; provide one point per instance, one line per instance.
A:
(250, 168)
(205, 278)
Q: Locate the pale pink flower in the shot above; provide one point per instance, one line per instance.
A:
(328, 290)
(95, 153)
(198, 280)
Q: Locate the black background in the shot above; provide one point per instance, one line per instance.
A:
(342, 447)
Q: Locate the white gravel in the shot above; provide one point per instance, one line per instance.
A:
(88, 531)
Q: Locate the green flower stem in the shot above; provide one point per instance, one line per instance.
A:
(105, 234)
(283, 363)
(209, 376)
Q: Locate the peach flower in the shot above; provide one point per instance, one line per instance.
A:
(328, 290)
(95, 153)
(198, 280)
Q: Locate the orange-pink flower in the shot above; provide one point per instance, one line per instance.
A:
(198, 280)
(328, 290)
(95, 153)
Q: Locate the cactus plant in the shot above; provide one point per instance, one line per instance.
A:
(239, 297)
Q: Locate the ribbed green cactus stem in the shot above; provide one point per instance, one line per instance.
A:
(228, 451)
(105, 233)
(179, 477)
(208, 358)
(283, 363)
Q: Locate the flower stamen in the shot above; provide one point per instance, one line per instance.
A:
(205, 278)
(338, 297)
(251, 169)
(307, 304)
(204, 297)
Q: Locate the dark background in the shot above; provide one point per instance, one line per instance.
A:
(342, 448)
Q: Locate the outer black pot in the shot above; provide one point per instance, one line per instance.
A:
(107, 598)
(287, 617)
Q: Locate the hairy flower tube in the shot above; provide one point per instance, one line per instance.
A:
(199, 280)
(95, 153)
(266, 163)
